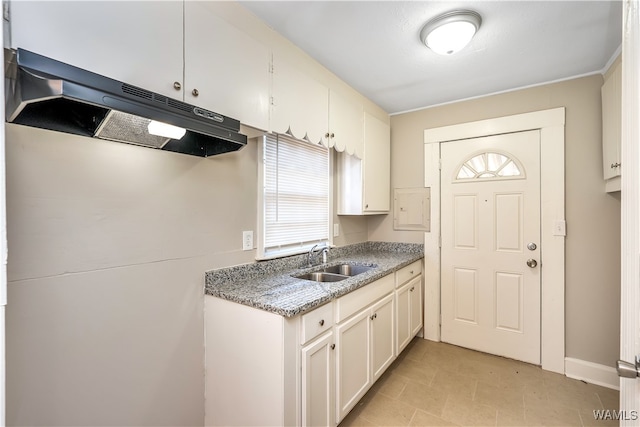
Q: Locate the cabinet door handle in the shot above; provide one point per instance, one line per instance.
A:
(411, 272)
(195, 92)
(374, 315)
(412, 288)
(332, 135)
(333, 346)
(177, 85)
(615, 165)
(321, 322)
(326, 135)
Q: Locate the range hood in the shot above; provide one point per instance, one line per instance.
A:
(48, 94)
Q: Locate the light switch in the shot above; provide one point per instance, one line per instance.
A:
(560, 228)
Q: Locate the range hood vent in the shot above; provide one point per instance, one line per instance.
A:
(48, 94)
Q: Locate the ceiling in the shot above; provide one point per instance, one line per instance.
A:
(375, 46)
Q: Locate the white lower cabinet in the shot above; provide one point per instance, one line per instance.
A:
(365, 320)
(403, 310)
(409, 312)
(317, 385)
(382, 339)
(353, 362)
(364, 347)
(408, 300)
(308, 370)
(416, 313)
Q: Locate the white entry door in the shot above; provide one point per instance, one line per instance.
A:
(490, 226)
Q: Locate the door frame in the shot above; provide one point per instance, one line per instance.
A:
(630, 209)
(552, 215)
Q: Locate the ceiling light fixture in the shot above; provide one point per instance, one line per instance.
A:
(448, 33)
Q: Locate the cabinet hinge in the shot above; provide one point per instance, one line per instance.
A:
(440, 240)
(271, 68)
(439, 164)
(272, 101)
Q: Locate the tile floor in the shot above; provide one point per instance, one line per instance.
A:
(438, 384)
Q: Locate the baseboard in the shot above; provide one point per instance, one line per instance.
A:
(593, 373)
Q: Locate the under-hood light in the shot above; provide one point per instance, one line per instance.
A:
(165, 130)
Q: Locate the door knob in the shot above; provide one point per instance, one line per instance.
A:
(532, 262)
(628, 370)
(532, 246)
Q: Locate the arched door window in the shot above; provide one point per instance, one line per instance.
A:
(490, 166)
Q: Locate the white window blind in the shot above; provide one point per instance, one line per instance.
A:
(296, 195)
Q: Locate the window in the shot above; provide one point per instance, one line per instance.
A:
(295, 196)
(489, 165)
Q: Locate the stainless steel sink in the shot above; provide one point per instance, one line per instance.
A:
(335, 273)
(321, 276)
(347, 269)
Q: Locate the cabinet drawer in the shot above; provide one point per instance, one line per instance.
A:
(359, 299)
(316, 322)
(406, 273)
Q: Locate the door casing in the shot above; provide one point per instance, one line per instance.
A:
(552, 197)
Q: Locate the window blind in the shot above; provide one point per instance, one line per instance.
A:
(296, 195)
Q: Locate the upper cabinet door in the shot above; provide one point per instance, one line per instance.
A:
(300, 104)
(376, 175)
(612, 123)
(226, 70)
(139, 43)
(346, 124)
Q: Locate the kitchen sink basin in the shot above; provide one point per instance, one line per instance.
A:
(347, 269)
(335, 273)
(321, 276)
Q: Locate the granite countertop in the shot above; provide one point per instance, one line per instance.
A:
(270, 285)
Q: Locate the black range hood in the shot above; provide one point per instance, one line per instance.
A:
(48, 94)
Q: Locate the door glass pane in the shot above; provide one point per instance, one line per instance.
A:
(489, 165)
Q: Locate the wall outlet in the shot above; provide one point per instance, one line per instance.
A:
(247, 240)
(336, 230)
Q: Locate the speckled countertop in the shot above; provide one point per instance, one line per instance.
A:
(270, 285)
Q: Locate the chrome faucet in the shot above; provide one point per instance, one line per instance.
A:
(310, 256)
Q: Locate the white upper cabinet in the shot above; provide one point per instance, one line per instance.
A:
(179, 49)
(226, 70)
(346, 124)
(203, 54)
(300, 104)
(377, 165)
(612, 128)
(139, 43)
(364, 185)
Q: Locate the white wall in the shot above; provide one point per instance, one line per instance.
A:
(108, 245)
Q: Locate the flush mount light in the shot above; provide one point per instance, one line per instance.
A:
(448, 33)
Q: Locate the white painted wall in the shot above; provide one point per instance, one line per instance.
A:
(108, 247)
